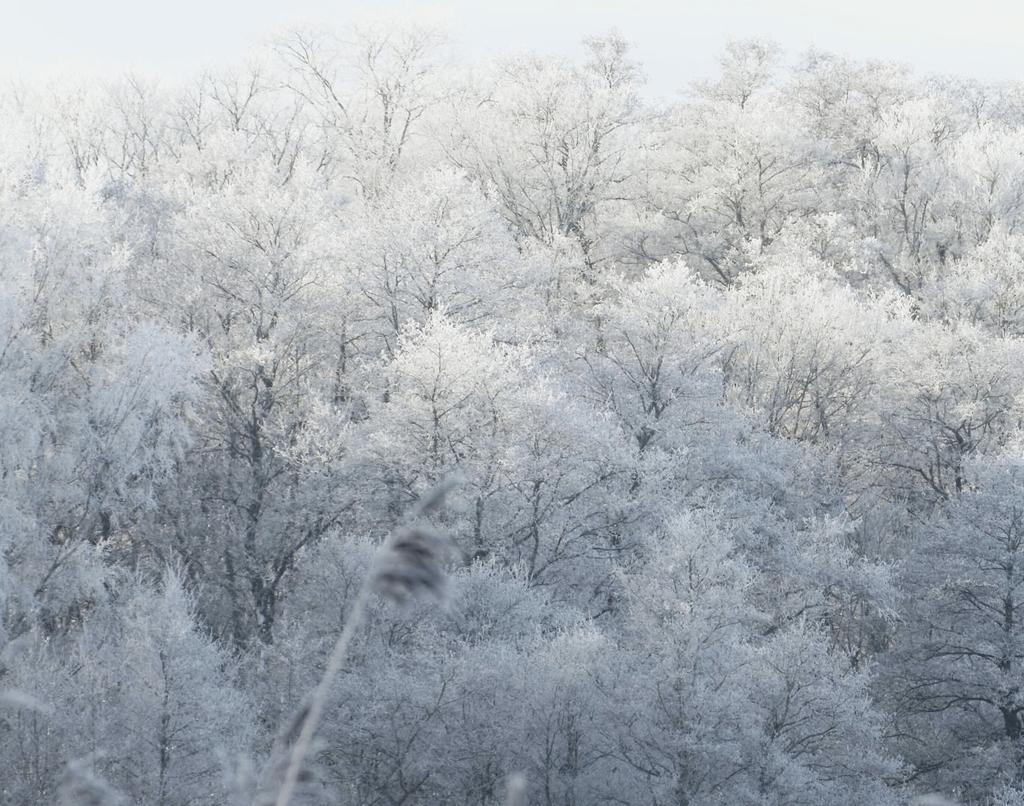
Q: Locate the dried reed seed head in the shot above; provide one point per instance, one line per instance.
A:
(515, 790)
(434, 497)
(309, 773)
(80, 787)
(81, 794)
(411, 563)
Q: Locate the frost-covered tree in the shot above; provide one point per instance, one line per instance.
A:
(430, 244)
(550, 140)
(960, 653)
(95, 403)
(727, 387)
(140, 694)
(715, 709)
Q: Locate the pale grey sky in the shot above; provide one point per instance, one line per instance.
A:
(677, 41)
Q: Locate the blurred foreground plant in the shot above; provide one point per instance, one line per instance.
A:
(409, 562)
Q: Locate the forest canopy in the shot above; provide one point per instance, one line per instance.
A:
(729, 391)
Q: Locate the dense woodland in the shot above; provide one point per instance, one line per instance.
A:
(731, 387)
